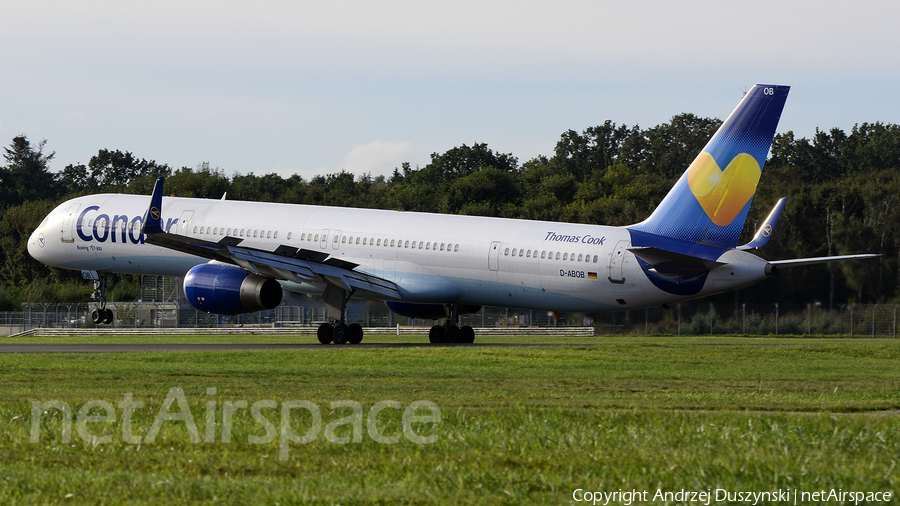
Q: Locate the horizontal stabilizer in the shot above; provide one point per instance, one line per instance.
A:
(819, 260)
(673, 265)
(768, 227)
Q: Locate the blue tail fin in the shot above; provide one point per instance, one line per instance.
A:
(710, 201)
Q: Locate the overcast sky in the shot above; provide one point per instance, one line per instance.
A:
(318, 87)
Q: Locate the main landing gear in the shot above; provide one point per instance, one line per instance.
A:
(340, 333)
(101, 315)
(451, 332)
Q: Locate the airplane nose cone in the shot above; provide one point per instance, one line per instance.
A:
(36, 244)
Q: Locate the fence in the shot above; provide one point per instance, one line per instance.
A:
(698, 318)
(695, 318)
(138, 315)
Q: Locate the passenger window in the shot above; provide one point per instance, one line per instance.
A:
(428, 245)
(528, 254)
(392, 243)
(514, 252)
(421, 244)
(521, 252)
(379, 242)
(316, 239)
(364, 241)
(506, 252)
(455, 248)
(595, 258)
(572, 257)
(579, 257)
(406, 244)
(195, 229)
(289, 236)
(543, 254)
(343, 240)
(269, 234)
(442, 247)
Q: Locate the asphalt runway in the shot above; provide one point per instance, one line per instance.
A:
(170, 347)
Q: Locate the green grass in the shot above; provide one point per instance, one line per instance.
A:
(519, 425)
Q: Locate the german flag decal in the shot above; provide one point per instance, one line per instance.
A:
(592, 275)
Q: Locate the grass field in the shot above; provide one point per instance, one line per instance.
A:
(518, 425)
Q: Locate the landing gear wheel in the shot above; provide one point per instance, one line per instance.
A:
(108, 316)
(466, 334)
(341, 333)
(325, 333)
(98, 316)
(451, 334)
(355, 333)
(436, 334)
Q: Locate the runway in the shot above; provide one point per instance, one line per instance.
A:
(175, 347)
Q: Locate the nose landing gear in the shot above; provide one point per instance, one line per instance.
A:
(100, 315)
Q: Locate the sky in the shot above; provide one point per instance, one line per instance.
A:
(313, 88)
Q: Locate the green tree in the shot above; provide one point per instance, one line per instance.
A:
(117, 169)
(16, 225)
(26, 176)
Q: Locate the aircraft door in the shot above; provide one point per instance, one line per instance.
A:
(494, 256)
(184, 222)
(617, 262)
(68, 227)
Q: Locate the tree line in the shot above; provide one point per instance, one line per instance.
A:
(843, 190)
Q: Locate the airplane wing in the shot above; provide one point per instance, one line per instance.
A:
(285, 263)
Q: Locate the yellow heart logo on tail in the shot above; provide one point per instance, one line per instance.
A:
(722, 194)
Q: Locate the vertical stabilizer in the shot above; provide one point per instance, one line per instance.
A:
(710, 201)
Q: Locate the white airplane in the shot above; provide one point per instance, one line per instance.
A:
(238, 257)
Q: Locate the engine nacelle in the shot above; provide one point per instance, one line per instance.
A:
(223, 289)
(427, 311)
